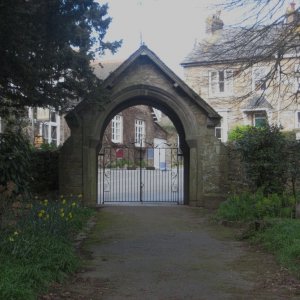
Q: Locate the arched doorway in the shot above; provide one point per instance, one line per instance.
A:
(144, 79)
(143, 158)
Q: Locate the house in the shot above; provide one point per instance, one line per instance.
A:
(47, 126)
(136, 125)
(134, 135)
(241, 92)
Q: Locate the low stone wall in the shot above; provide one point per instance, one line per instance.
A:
(237, 177)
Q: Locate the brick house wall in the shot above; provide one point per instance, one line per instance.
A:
(129, 115)
(128, 149)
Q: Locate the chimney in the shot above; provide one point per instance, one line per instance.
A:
(291, 13)
(214, 23)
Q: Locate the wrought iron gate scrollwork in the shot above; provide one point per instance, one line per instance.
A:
(140, 174)
(174, 181)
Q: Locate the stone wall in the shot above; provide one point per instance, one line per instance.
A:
(237, 177)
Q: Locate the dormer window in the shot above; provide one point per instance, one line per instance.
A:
(220, 83)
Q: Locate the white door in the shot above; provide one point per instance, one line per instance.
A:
(160, 154)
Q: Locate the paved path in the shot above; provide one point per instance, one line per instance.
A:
(171, 253)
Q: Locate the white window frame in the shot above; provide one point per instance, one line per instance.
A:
(117, 129)
(220, 82)
(140, 129)
(223, 126)
(259, 75)
(262, 113)
(219, 129)
(297, 119)
(46, 129)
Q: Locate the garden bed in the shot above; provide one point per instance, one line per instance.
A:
(38, 249)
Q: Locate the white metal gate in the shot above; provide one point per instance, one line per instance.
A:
(133, 174)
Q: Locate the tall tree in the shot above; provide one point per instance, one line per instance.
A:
(45, 51)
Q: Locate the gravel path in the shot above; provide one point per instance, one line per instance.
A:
(170, 253)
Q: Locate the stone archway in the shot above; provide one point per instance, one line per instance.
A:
(144, 79)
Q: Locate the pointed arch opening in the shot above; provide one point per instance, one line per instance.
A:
(142, 157)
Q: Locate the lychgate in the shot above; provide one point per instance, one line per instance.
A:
(144, 79)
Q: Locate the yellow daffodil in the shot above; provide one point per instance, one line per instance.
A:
(62, 214)
(11, 239)
(41, 213)
(70, 215)
(73, 204)
(80, 196)
(45, 202)
(16, 233)
(64, 201)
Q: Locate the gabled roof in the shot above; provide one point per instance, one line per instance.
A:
(238, 44)
(256, 103)
(104, 68)
(144, 51)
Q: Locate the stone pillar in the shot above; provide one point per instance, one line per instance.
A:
(70, 166)
(215, 171)
(193, 184)
(70, 159)
(90, 173)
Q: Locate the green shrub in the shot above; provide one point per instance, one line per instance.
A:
(44, 170)
(268, 206)
(15, 176)
(238, 132)
(262, 150)
(252, 206)
(121, 163)
(238, 207)
(15, 158)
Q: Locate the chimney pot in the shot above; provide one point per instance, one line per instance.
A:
(214, 23)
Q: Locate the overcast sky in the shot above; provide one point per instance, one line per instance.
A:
(167, 27)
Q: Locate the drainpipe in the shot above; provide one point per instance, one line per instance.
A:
(279, 98)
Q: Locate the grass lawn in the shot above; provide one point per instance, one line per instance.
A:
(280, 233)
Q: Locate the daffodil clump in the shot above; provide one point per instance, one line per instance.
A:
(57, 216)
(38, 249)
